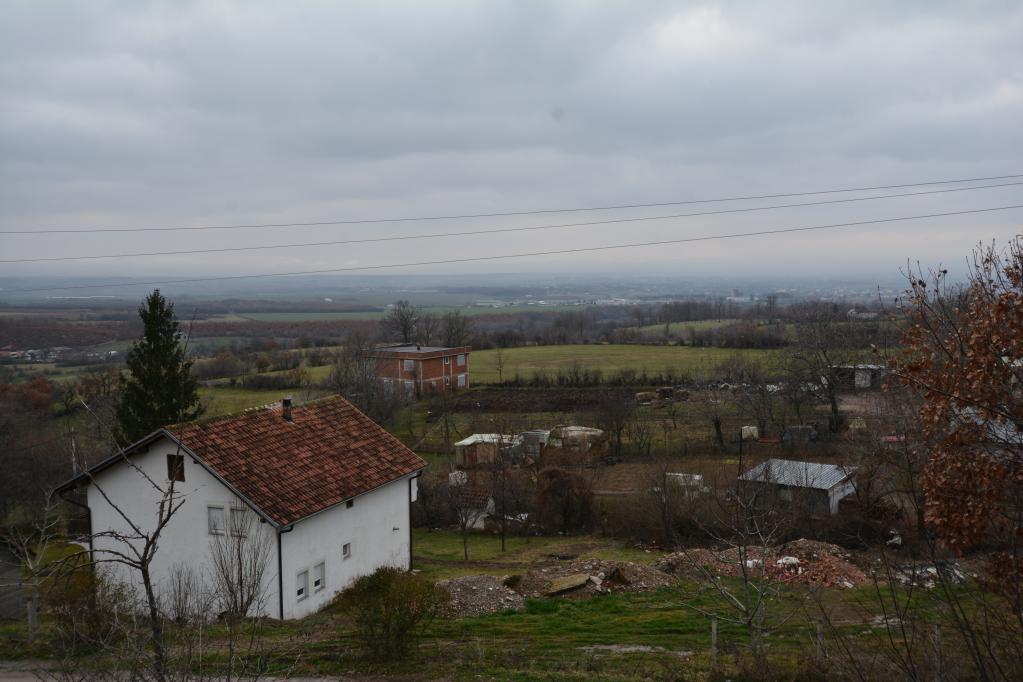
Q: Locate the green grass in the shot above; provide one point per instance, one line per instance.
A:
(609, 359)
(438, 553)
(226, 400)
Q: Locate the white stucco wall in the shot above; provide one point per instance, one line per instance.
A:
(185, 540)
(377, 526)
(839, 493)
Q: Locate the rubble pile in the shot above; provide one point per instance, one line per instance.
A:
(588, 577)
(806, 562)
(929, 575)
(478, 595)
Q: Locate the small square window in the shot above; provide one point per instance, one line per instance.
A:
(176, 468)
(240, 521)
(318, 576)
(346, 550)
(215, 520)
(349, 504)
(302, 585)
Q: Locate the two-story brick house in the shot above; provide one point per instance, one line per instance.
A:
(424, 369)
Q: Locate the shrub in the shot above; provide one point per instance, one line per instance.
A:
(389, 608)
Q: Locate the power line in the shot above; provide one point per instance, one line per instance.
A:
(500, 214)
(610, 247)
(502, 230)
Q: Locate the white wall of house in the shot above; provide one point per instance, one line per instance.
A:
(376, 528)
(185, 541)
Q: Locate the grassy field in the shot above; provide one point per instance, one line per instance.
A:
(222, 400)
(699, 362)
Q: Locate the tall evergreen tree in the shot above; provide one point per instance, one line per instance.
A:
(160, 389)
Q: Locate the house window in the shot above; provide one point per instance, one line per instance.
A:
(346, 550)
(447, 381)
(447, 359)
(410, 365)
(461, 381)
(302, 585)
(240, 520)
(176, 468)
(349, 503)
(215, 520)
(318, 575)
(461, 359)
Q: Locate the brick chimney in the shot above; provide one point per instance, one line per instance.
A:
(286, 408)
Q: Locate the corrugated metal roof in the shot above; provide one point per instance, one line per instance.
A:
(503, 439)
(798, 474)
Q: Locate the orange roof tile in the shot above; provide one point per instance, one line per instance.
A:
(328, 453)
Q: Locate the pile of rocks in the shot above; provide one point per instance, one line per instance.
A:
(478, 595)
(588, 577)
(807, 562)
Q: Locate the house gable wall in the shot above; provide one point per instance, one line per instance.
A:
(185, 541)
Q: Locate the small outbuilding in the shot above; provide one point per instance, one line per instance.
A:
(819, 486)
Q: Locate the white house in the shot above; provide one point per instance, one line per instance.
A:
(325, 486)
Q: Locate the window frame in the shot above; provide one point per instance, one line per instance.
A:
(319, 576)
(461, 360)
(176, 468)
(408, 366)
(210, 529)
(237, 532)
(462, 381)
(447, 359)
(302, 585)
(346, 550)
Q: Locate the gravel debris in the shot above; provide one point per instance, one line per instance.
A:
(807, 562)
(601, 577)
(478, 595)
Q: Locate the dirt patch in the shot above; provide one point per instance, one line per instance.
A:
(478, 595)
(588, 577)
(807, 562)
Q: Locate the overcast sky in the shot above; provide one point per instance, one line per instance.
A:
(127, 114)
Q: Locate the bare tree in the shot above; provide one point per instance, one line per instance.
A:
(240, 557)
(456, 329)
(354, 375)
(400, 321)
(428, 326)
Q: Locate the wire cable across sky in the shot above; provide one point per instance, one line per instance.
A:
(593, 223)
(509, 256)
(503, 214)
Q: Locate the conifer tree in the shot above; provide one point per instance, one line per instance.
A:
(160, 389)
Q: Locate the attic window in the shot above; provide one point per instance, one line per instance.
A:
(215, 520)
(176, 468)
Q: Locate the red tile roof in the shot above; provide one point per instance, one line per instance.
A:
(328, 453)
